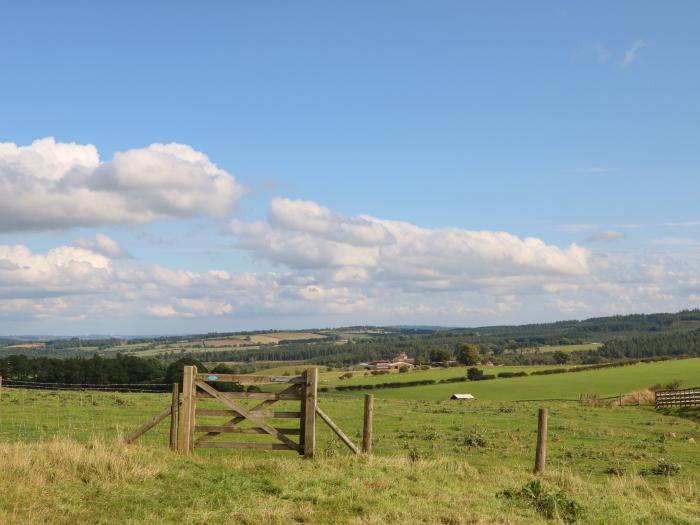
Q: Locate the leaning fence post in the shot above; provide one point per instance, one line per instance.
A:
(367, 428)
(541, 453)
(310, 395)
(174, 416)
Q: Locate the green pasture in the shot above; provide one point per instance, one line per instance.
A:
(435, 461)
(604, 382)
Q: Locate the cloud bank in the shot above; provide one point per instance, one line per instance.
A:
(328, 266)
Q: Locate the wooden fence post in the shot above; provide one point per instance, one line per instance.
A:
(310, 398)
(541, 454)
(367, 428)
(0, 388)
(174, 416)
(187, 419)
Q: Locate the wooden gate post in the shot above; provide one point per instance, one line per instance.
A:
(541, 453)
(174, 416)
(185, 443)
(367, 428)
(309, 400)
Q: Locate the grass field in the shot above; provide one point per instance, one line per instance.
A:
(435, 462)
(605, 382)
(363, 377)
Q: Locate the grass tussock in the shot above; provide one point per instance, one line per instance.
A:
(640, 397)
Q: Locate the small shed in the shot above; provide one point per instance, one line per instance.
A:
(462, 396)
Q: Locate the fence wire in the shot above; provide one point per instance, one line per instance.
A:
(33, 412)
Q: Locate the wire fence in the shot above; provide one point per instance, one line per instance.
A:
(110, 387)
(32, 412)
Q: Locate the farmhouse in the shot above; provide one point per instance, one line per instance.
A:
(399, 361)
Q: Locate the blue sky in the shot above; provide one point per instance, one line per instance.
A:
(568, 122)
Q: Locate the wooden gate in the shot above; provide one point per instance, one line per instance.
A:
(203, 386)
(678, 398)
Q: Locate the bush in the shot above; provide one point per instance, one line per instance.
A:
(403, 369)
(475, 374)
(674, 384)
(346, 375)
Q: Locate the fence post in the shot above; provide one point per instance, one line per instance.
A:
(310, 395)
(367, 428)
(0, 388)
(174, 416)
(187, 419)
(541, 453)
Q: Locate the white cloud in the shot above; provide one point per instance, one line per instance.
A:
(101, 244)
(631, 54)
(305, 236)
(49, 185)
(608, 235)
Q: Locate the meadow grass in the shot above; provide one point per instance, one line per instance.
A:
(63, 482)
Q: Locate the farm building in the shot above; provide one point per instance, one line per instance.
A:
(399, 361)
(462, 396)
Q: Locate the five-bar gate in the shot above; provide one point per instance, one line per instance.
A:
(203, 386)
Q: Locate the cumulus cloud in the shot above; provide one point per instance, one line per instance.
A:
(608, 235)
(304, 235)
(50, 185)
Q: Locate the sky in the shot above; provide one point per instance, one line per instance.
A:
(174, 167)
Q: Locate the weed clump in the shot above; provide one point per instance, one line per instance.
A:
(615, 470)
(551, 502)
(662, 468)
(477, 439)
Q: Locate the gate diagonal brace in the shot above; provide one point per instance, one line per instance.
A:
(247, 415)
(233, 422)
